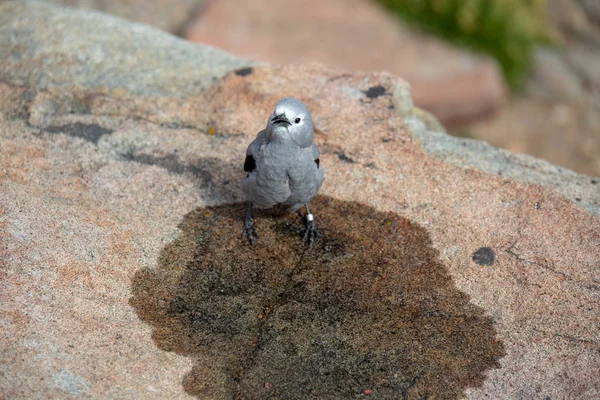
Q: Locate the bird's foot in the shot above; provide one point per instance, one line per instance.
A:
(310, 233)
(249, 230)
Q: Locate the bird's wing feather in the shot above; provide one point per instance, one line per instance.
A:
(249, 164)
(252, 151)
(316, 153)
(254, 147)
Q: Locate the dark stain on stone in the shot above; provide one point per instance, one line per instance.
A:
(484, 256)
(594, 181)
(244, 71)
(375, 91)
(369, 307)
(89, 132)
(344, 158)
(27, 98)
(211, 173)
(176, 125)
(341, 76)
(170, 162)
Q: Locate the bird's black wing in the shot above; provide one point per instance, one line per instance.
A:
(254, 149)
(316, 154)
(249, 164)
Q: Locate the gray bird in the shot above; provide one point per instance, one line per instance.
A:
(282, 166)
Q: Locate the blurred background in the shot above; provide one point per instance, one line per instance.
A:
(520, 74)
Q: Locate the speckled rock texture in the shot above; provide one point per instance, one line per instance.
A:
(356, 35)
(447, 268)
(168, 15)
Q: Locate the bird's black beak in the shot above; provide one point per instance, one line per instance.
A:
(280, 119)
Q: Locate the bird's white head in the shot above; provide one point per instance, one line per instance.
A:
(291, 121)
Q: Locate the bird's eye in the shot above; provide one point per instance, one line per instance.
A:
(297, 120)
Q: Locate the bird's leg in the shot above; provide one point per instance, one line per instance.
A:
(311, 233)
(249, 228)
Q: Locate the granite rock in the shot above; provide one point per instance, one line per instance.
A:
(47, 46)
(447, 269)
(168, 15)
(357, 35)
(563, 132)
(556, 117)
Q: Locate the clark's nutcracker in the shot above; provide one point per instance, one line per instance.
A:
(282, 166)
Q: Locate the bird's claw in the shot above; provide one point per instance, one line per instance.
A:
(310, 233)
(249, 230)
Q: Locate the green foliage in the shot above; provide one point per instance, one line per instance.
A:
(506, 29)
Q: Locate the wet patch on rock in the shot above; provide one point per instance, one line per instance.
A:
(369, 309)
(345, 158)
(89, 132)
(176, 125)
(169, 162)
(244, 71)
(375, 91)
(212, 174)
(484, 256)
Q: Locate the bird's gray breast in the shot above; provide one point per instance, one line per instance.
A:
(284, 175)
(268, 185)
(305, 178)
